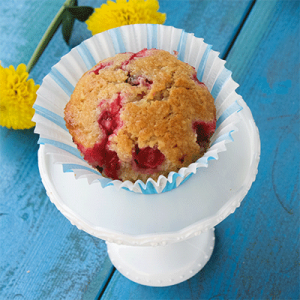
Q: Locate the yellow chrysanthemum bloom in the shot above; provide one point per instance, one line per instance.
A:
(121, 12)
(17, 95)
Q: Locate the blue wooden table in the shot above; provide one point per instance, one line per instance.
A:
(256, 256)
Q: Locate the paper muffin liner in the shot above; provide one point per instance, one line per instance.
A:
(59, 84)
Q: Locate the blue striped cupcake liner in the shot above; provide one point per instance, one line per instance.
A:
(59, 84)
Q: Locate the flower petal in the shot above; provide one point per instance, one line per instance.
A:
(17, 96)
(121, 12)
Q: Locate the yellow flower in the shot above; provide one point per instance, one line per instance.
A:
(121, 12)
(17, 95)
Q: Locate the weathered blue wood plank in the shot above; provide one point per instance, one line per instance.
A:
(257, 248)
(22, 24)
(216, 21)
(42, 256)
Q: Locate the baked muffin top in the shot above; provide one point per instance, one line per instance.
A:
(141, 115)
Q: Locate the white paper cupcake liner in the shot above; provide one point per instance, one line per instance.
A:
(59, 84)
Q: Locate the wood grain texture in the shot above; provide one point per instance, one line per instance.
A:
(42, 256)
(216, 21)
(257, 248)
(22, 25)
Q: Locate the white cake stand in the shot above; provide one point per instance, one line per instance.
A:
(163, 239)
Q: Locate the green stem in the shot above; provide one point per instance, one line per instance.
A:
(48, 35)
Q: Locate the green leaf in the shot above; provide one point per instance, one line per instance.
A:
(81, 13)
(67, 26)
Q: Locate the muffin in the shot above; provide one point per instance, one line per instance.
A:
(141, 115)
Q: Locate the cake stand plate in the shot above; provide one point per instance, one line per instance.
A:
(161, 239)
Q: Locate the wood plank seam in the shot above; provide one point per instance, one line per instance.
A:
(105, 284)
(239, 29)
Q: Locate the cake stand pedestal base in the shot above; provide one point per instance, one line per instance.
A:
(163, 265)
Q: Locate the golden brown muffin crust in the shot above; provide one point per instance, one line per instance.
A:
(161, 99)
